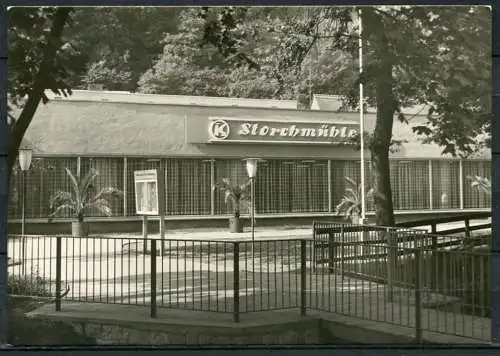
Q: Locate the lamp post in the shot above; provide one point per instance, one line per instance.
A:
(25, 156)
(252, 173)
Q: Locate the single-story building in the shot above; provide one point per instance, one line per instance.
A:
(306, 156)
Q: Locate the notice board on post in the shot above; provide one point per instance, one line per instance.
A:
(146, 192)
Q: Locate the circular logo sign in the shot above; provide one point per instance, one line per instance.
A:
(219, 129)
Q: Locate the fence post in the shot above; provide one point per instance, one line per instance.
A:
(144, 227)
(236, 282)
(331, 251)
(153, 277)
(467, 229)
(342, 247)
(125, 184)
(313, 246)
(58, 272)
(431, 198)
(330, 188)
(418, 297)
(303, 277)
(390, 264)
(461, 183)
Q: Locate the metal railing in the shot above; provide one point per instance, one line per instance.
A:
(466, 219)
(357, 273)
(406, 277)
(185, 274)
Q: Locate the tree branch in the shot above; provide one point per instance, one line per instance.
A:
(37, 92)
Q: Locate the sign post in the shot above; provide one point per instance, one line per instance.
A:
(146, 197)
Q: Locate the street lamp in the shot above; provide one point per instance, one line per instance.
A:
(25, 156)
(252, 173)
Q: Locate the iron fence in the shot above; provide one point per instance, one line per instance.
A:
(187, 274)
(430, 283)
(282, 186)
(386, 275)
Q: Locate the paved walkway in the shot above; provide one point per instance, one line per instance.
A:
(262, 233)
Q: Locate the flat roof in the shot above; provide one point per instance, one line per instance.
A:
(159, 99)
(118, 124)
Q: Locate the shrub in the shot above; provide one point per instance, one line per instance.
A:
(29, 285)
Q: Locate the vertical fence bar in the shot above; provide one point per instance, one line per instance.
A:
(461, 182)
(303, 277)
(330, 188)
(313, 246)
(212, 184)
(431, 187)
(58, 272)
(332, 251)
(236, 282)
(125, 184)
(144, 226)
(342, 241)
(418, 297)
(467, 229)
(153, 277)
(390, 263)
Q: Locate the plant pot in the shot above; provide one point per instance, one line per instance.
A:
(235, 225)
(79, 229)
(355, 219)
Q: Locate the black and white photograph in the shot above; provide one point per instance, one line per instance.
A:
(249, 175)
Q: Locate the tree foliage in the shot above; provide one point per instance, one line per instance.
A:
(39, 60)
(189, 66)
(118, 44)
(438, 57)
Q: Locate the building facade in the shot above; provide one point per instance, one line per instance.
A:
(306, 155)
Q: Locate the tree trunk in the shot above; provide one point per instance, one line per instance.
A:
(384, 212)
(40, 83)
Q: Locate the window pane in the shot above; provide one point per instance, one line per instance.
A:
(445, 185)
(45, 177)
(188, 187)
(474, 198)
(235, 171)
(410, 184)
(110, 176)
(342, 170)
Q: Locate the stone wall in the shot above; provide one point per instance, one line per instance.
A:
(296, 333)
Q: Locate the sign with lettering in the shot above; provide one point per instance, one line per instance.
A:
(146, 192)
(222, 130)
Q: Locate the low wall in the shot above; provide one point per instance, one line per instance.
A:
(128, 325)
(303, 332)
(134, 224)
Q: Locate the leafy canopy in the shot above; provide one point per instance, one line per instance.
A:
(440, 58)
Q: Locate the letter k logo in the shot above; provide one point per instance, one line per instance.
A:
(219, 129)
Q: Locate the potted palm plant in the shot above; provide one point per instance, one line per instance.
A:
(235, 195)
(481, 184)
(81, 198)
(350, 205)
